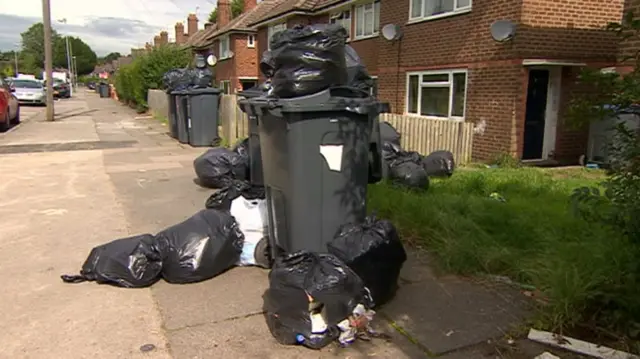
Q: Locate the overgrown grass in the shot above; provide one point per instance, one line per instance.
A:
(532, 237)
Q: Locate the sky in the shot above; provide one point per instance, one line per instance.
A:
(105, 25)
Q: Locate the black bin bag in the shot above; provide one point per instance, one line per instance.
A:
(439, 164)
(307, 59)
(302, 282)
(201, 247)
(221, 200)
(406, 169)
(132, 262)
(373, 250)
(218, 167)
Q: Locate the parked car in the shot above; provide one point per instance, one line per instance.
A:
(9, 107)
(91, 85)
(29, 92)
(61, 89)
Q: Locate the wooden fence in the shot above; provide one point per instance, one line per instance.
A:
(418, 134)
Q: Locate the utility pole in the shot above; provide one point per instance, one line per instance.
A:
(75, 72)
(15, 56)
(48, 57)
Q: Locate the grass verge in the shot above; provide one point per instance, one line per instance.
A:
(533, 237)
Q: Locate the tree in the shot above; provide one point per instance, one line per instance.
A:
(110, 57)
(237, 7)
(33, 51)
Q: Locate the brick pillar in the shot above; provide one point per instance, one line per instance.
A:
(179, 33)
(192, 24)
(249, 5)
(224, 13)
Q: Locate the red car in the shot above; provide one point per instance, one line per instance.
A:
(9, 107)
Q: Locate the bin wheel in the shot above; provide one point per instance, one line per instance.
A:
(262, 253)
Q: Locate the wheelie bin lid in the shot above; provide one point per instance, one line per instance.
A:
(203, 91)
(330, 100)
(178, 92)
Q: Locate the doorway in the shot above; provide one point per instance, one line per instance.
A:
(535, 114)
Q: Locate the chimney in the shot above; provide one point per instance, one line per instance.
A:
(249, 5)
(164, 38)
(179, 33)
(147, 46)
(156, 41)
(192, 24)
(224, 13)
(207, 25)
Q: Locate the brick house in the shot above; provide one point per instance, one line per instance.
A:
(446, 65)
(234, 44)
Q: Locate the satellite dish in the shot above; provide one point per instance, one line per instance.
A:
(503, 30)
(229, 53)
(391, 32)
(212, 60)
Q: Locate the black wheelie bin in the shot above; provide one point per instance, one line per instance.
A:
(315, 152)
(255, 155)
(182, 116)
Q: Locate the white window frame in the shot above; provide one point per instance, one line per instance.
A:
(360, 12)
(272, 30)
(422, 17)
(251, 41)
(340, 18)
(448, 83)
(224, 47)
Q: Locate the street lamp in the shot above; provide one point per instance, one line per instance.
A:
(69, 57)
(75, 72)
(15, 57)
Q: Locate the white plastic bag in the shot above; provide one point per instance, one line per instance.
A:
(252, 219)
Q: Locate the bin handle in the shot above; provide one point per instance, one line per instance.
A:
(350, 88)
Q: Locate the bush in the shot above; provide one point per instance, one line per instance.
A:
(134, 80)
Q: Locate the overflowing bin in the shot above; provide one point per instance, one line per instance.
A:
(182, 116)
(173, 114)
(255, 155)
(202, 116)
(315, 154)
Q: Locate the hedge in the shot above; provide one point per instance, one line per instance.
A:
(133, 81)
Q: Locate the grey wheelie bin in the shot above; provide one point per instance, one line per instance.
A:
(375, 147)
(315, 152)
(203, 116)
(173, 114)
(104, 90)
(182, 116)
(255, 155)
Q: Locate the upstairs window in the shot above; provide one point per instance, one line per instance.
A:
(342, 18)
(424, 9)
(225, 51)
(251, 41)
(274, 29)
(367, 20)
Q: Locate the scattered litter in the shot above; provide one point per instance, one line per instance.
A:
(132, 262)
(201, 247)
(547, 355)
(252, 217)
(357, 325)
(497, 196)
(449, 333)
(218, 167)
(373, 250)
(578, 346)
(309, 294)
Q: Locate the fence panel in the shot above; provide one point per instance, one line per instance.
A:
(427, 135)
(235, 124)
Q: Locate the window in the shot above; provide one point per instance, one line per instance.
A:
(251, 41)
(367, 19)
(274, 29)
(225, 51)
(424, 9)
(374, 87)
(225, 86)
(342, 18)
(437, 94)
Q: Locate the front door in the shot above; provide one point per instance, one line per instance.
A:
(535, 114)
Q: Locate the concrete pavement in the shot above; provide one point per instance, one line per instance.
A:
(98, 174)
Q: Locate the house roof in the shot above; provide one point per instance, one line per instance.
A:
(244, 21)
(288, 6)
(199, 38)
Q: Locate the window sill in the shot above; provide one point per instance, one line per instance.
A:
(225, 58)
(453, 118)
(439, 16)
(364, 37)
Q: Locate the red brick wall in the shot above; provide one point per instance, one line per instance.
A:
(244, 62)
(631, 46)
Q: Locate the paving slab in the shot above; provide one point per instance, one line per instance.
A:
(448, 313)
(233, 294)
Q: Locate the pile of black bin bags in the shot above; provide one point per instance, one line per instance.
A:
(410, 168)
